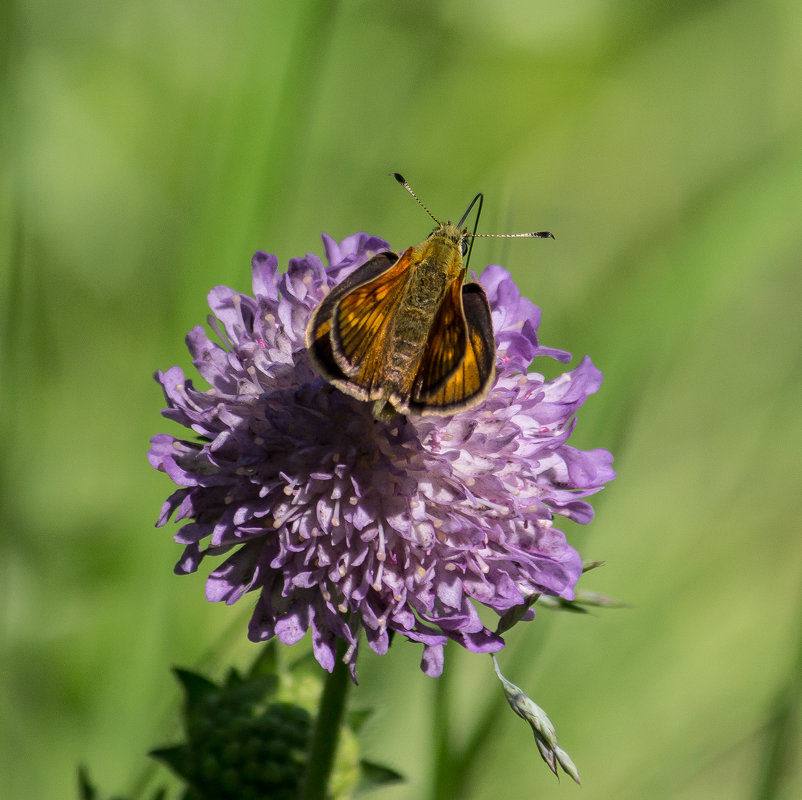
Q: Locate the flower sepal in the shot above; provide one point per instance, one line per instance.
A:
(516, 614)
(582, 601)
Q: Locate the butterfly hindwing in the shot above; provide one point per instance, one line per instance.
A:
(445, 348)
(467, 383)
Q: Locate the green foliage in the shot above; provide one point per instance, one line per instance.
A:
(147, 149)
(239, 743)
(88, 791)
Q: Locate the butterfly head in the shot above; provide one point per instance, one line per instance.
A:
(451, 235)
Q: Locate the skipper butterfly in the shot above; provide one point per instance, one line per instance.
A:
(406, 332)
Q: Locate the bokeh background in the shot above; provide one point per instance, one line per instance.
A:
(148, 148)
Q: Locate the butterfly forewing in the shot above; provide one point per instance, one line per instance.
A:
(361, 319)
(318, 332)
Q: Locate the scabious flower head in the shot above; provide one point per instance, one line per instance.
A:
(344, 524)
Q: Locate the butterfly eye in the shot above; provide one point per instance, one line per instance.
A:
(463, 245)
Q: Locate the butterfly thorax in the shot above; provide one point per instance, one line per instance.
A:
(436, 264)
(436, 267)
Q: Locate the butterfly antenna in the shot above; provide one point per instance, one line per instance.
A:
(532, 235)
(400, 179)
(480, 198)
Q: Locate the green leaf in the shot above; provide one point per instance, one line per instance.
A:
(85, 789)
(374, 775)
(595, 599)
(561, 604)
(356, 719)
(233, 678)
(304, 663)
(266, 662)
(176, 757)
(513, 615)
(581, 599)
(195, 686)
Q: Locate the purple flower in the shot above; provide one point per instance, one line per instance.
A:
(342, 523)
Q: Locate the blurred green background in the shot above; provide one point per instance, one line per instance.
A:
(148, 148)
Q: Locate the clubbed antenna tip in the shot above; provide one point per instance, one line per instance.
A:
(400, 178)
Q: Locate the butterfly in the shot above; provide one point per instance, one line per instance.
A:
(406, 332)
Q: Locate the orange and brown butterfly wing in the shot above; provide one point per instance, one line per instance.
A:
(470, 378)
(445, 348)
(318, 331)
(360, 327)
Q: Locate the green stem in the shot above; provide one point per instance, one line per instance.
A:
(443, 756)
(782, 735)
(326, 733)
